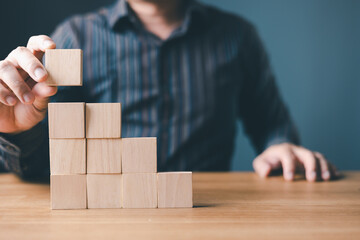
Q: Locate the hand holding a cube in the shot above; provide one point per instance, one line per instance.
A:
(24, 93)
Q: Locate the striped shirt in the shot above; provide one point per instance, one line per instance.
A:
(188, 90)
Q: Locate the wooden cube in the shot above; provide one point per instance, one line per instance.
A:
(64, 67)
(68, 191)
(67, 156)
(104, 155)
(175, 190)
(139, 190)
(104, 190)
(139, 155)
(66, 120)
(103, 120)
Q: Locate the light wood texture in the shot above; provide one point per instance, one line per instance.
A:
(66, 120)
(68, 191)
(104, 190)
(67, 156)
(226, 206)
(139, 190)
(103, 120)
(139, 155)
(175, 190)
(64, 67)
(104, 155)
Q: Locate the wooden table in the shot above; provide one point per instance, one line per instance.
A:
(227, 206)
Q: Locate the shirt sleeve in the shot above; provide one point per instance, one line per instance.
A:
(9, 153)
(265, 117)
(27, 154)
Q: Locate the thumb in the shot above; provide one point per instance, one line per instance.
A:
(42, 93)
(261, 167)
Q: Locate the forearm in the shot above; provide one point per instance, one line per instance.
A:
(26, 154)
(265, 116)
(9, 156)
(270, 129)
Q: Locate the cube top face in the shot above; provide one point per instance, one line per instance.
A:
(103, 120)
(67, 156)
(139, 155)
(104, 190)
(66, 120)
(104, 155)
(175, 190)
(68, 191)
(64, 67)
(139, 190)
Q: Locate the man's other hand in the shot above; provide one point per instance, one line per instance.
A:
(292, 159)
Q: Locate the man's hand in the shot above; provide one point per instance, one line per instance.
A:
(23, 93)
(291, 159)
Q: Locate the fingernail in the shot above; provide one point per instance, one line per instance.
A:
(28, 97)
(326, 175)
(48, 43)
(289, 176)
(39, 73)
(312, 176)
(10, 100)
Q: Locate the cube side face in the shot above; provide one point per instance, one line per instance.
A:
(103, 120)
(104, 190)
(175, 190)
(68, 191)
(104, 155)
(64, 67)
(139, 155)
(67, 156)
(139, 190)
(66, 120)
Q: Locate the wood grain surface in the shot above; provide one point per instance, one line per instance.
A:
(68, 191)
(139, 155)
(104, 190)
(66, 120)
(103, 155)
(139, 190)
(226, 206)
(175, 189)
(64, 66)
(103, 120)
(67, 156)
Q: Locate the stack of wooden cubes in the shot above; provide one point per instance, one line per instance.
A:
(91, 165)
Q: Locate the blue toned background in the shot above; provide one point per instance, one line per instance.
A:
(314, 47)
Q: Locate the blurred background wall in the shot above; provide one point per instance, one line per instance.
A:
(314, 47)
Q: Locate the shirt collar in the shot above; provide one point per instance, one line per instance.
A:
(117, 11)
(120, 11)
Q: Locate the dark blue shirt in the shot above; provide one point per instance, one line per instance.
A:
(188, 90)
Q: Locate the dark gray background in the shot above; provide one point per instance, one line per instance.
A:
(314, 50)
